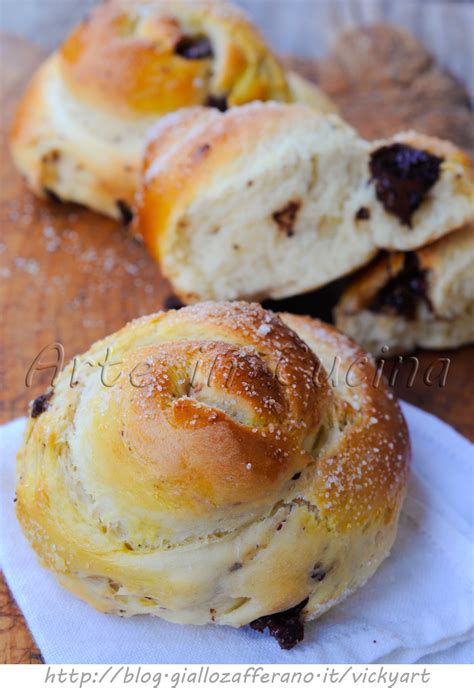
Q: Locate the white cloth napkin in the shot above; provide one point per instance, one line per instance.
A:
(418, 603)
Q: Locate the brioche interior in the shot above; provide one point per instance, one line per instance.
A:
(272, 200)
(245, 233)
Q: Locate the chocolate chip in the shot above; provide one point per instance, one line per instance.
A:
(296, 476)
(235, 567)
(285, 218)
(402, 294)
(319, 572)
(202, 150)
(218, 102)
(194, 48)
(40, 404)
(173, 303)
(363, 214)
(51, 156)
(126, 213)
(403, 176)
(286, 627)
(52, 195)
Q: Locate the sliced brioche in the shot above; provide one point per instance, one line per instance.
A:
(271, 200)
(423, 298)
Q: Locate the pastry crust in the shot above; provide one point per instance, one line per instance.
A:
(80, 128)
(229, 481)
(273, 200)
(391, 308)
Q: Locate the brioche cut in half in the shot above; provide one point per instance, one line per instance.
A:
(421, 298)
(215, 475)
(80, 128)
(272, 200)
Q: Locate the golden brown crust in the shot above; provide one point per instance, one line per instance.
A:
(348, 487)
(122, 56)
(55, 154)
(193, 490)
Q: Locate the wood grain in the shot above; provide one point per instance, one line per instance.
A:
(70, 276)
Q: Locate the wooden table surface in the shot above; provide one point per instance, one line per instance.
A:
(70, 276)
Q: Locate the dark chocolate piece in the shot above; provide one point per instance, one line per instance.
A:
(403, 176)
(40, 404)
(286, 627)
(319, 572)
(218, 102)
(126, 213)
(363, 213)
(286, 217)
(403, 292)
(194, 48)
(173, 303)
(202, 150)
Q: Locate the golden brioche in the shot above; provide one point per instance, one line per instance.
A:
(211, 473)
(273, 200)
(422, 298)
(79, 130)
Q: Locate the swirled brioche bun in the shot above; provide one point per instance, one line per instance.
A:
(215, 475)
(79, 131)
(273, 200)
(421, 298)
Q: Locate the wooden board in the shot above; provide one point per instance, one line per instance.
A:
(70, 276)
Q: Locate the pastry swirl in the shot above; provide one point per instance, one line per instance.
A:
(79, 131)
(211, 473)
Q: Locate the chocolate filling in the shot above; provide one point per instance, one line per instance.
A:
(403, 176)
(403, 292)
(194, 48)
(286, 627)
(218, 102)
(286, 217)
(40, 404)
(125, 211)
(172, 302)
(363, 213)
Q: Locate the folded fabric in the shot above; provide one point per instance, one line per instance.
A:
(419, 602)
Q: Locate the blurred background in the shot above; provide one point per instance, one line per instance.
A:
(302, 27)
